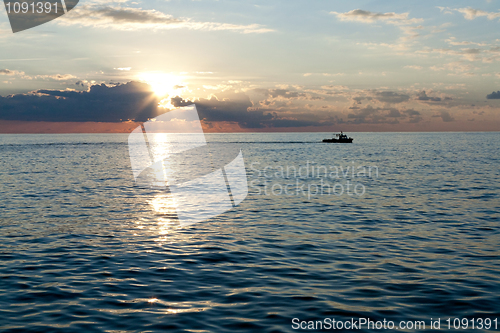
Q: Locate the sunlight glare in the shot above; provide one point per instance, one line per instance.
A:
(162, 84)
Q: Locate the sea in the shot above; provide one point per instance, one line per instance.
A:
(395, 229)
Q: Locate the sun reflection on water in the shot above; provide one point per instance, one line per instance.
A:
(164, 217)
(164, 204)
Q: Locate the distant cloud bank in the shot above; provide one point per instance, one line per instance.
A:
(493, 95)
(101, 103)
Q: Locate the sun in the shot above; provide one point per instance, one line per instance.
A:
(162, 84)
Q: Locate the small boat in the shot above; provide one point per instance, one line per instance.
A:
(339, 138)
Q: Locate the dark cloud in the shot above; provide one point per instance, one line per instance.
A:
(414, 116)
(286, 94)
(359, 99)
(235, 110)
(135, 101)
(102, 103)
(445, 115)
(422, 96)
(470, 51)
(366, 13)
(368, 17)
(238, 110)
(394, 113)
(494, 95)
(368, 115)
(391, 97)
(414, 120)
(134, 15)
(371, 115)
(412, 112)
(297, 123)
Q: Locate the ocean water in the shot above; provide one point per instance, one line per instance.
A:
(412, 234)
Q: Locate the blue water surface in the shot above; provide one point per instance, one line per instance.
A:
(83, 249)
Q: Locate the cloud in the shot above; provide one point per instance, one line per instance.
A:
(471, 14)
(101, 103)
(405, 24)
(414, 116)
(412, 112)
(365, 16)
(414, 67)
(335, 87)
(371, 115)
(391, 97)
(135, 101)
(394, 113)
(445, 115)
(452, 41)
(281, 94)
(324, 74)
(493, 95)
(422, 96)
(122, 18)
(367, 115)
(359, 99)
(470, 54)
(470, 51)
(239, 109)
(235, 110)
(10, 72)
(57, 77)
(456, 66)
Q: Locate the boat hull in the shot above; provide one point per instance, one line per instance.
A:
(338, 140)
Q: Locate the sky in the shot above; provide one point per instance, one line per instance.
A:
(251, 66)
